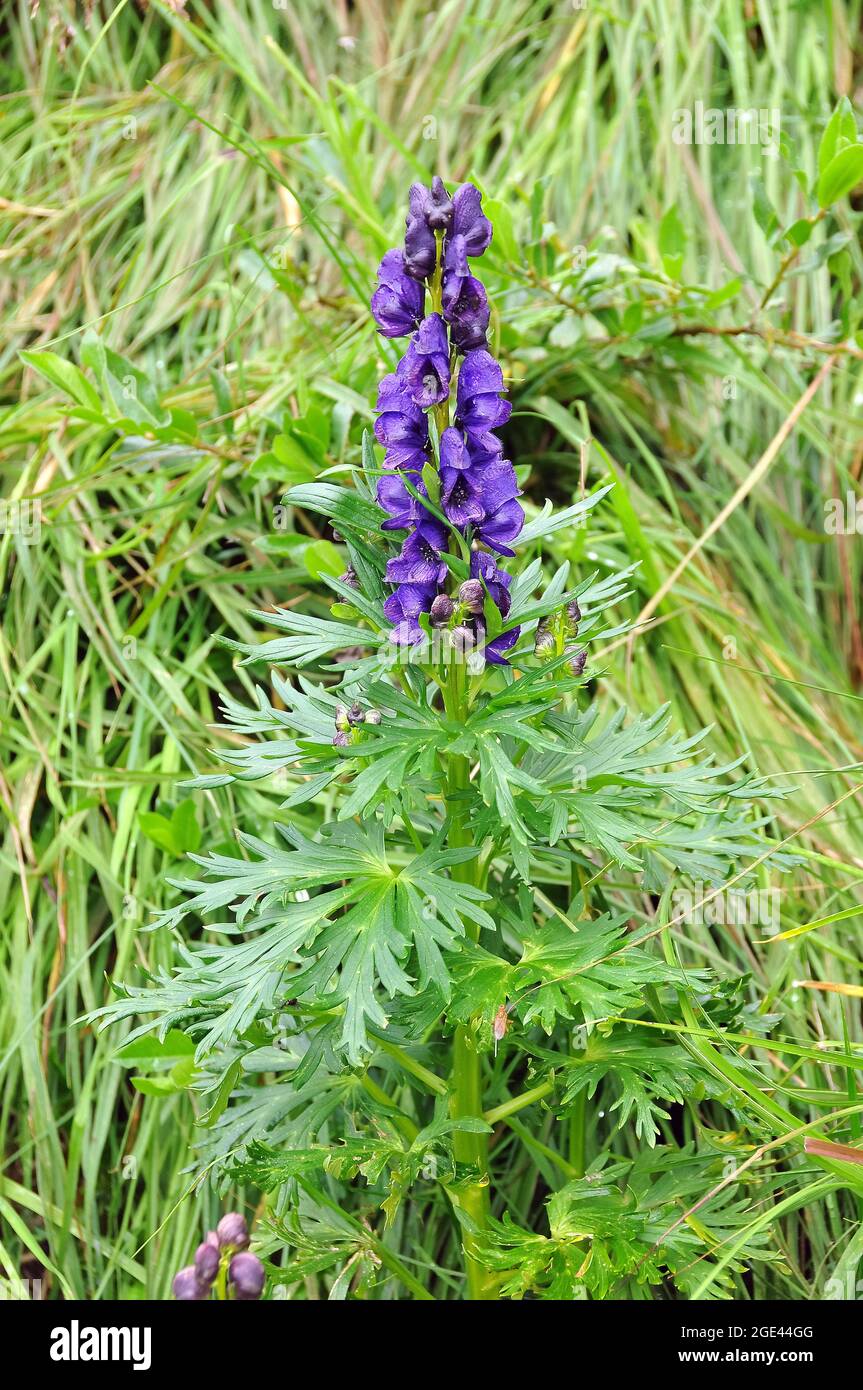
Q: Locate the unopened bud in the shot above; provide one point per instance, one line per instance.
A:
(441, 610)
(472, 595)
(373, 716)
(349, 578)
(187, 1287)
(578, 662)
(207, 1262)
(356, 713)
(543, 641)
(233, 1231)
(246, 1275)
(573, 612)
(341, 739)
(343, 722)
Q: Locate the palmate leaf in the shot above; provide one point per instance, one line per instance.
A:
(583, 976)
(640, 1069)
(592, 974)
(373, 928)
(621, 1227)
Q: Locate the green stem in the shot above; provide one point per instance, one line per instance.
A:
(471, 1150)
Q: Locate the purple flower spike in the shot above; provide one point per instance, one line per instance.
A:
(246, 1276)
(469, 221)
(397, 303)
(425, 367)
(233, 1231)
(478, 489)
(187, 1287)
(207, 1262)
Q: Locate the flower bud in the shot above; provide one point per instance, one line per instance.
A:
(187, 1287)
(246, 1274)
(207, 1262)
(349, 578)
(543, 641)
(341, 739)
(233, 1231)
(356, 714)
(373, 716)
(343, 721)
(573, 613)
(472, 595)
(441, 610)
(578, 662)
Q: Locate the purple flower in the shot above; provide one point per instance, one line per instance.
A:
(461, 496)
(403, 609)
(497, 582)
(420, 561)
(401, 425)
(493, 651)
(188, 1288)
(246, 1275)
(397, 501)
(453, 450)
(420, 243)
(469, 221)
(469, 315)
(424, 369)
(233, 1231)
(207, 1262)
(397, 303)
(455, 272)
(479, 407)
(501, 527)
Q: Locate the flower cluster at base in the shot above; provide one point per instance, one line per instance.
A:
(474, 487)
(223, 1261)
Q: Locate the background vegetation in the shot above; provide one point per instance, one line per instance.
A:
(191, 207)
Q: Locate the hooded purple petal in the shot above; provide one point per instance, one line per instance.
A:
(397, 303)
(499, 529)
(453, 450)
(424, 369)
(420, 560)
(469, 315)
(469, 221)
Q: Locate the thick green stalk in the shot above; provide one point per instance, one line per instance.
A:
(466, 1093)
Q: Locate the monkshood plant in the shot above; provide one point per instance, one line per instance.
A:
(439, 1012)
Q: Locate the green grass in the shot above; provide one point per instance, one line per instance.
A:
(211, 195)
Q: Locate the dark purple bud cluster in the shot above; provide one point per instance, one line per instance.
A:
(475, 486)
(223, 1252)
(554, 637)
(349, 721)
